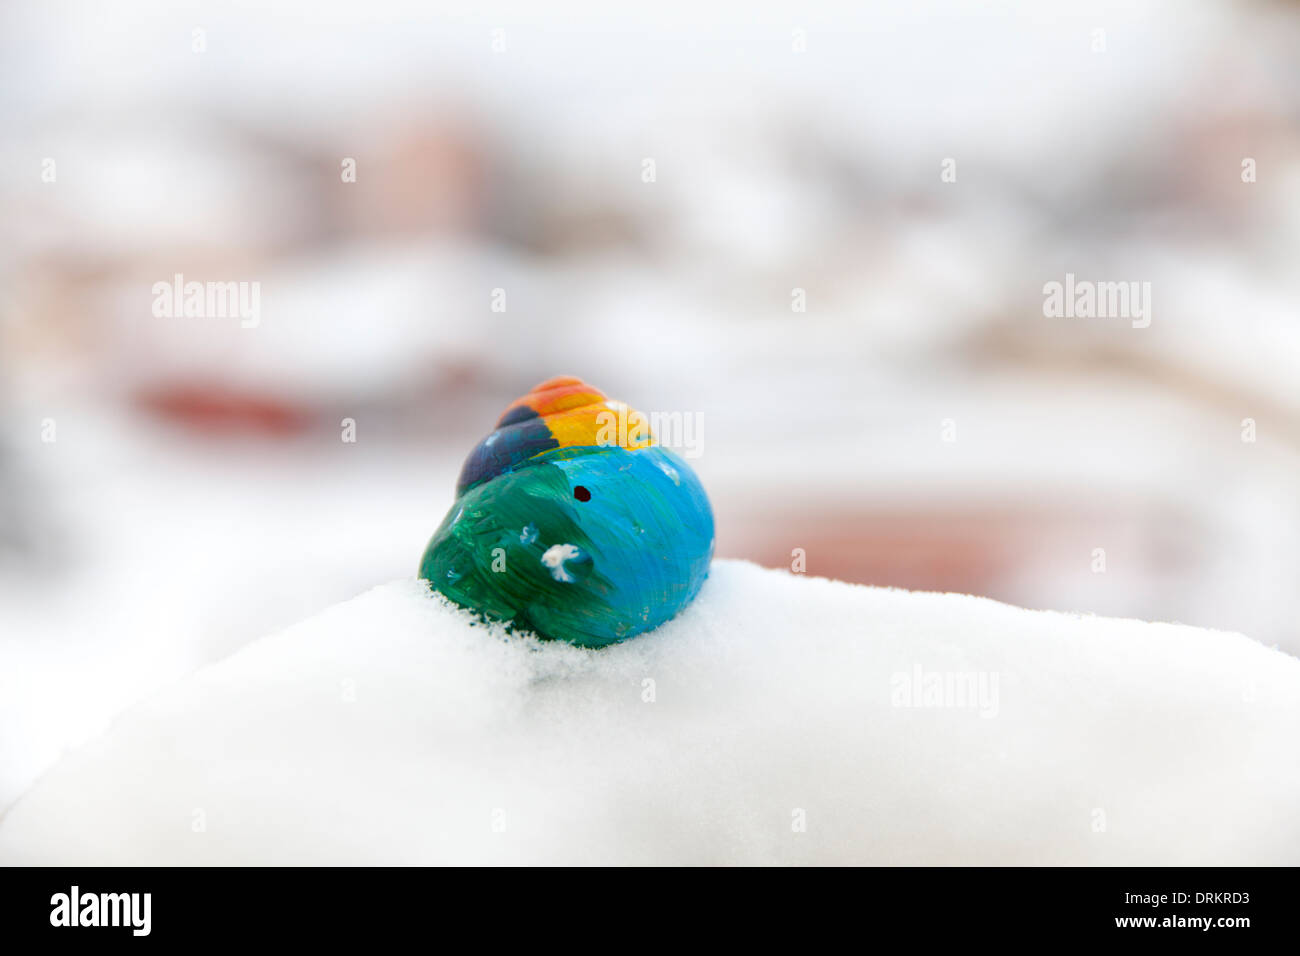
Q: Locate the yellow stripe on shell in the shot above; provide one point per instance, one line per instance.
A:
(608, 424)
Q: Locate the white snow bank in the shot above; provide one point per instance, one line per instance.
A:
(767, 724)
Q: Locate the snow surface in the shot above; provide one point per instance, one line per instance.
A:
(766, 724)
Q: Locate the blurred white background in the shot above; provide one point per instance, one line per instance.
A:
(194, 492)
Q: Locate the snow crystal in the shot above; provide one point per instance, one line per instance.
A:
(555, 557)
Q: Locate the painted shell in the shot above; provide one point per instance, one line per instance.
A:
(571, 521)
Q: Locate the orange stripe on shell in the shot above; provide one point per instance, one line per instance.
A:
(577, 414)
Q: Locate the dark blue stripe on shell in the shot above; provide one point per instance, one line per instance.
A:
(504, 449)
(520, 413)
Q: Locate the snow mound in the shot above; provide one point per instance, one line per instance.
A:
(779, 719)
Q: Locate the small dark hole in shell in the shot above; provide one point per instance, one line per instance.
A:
(581, 493)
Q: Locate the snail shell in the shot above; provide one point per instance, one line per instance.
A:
(571, 521)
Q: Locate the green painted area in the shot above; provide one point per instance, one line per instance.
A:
(587, 545)
(487, 554)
